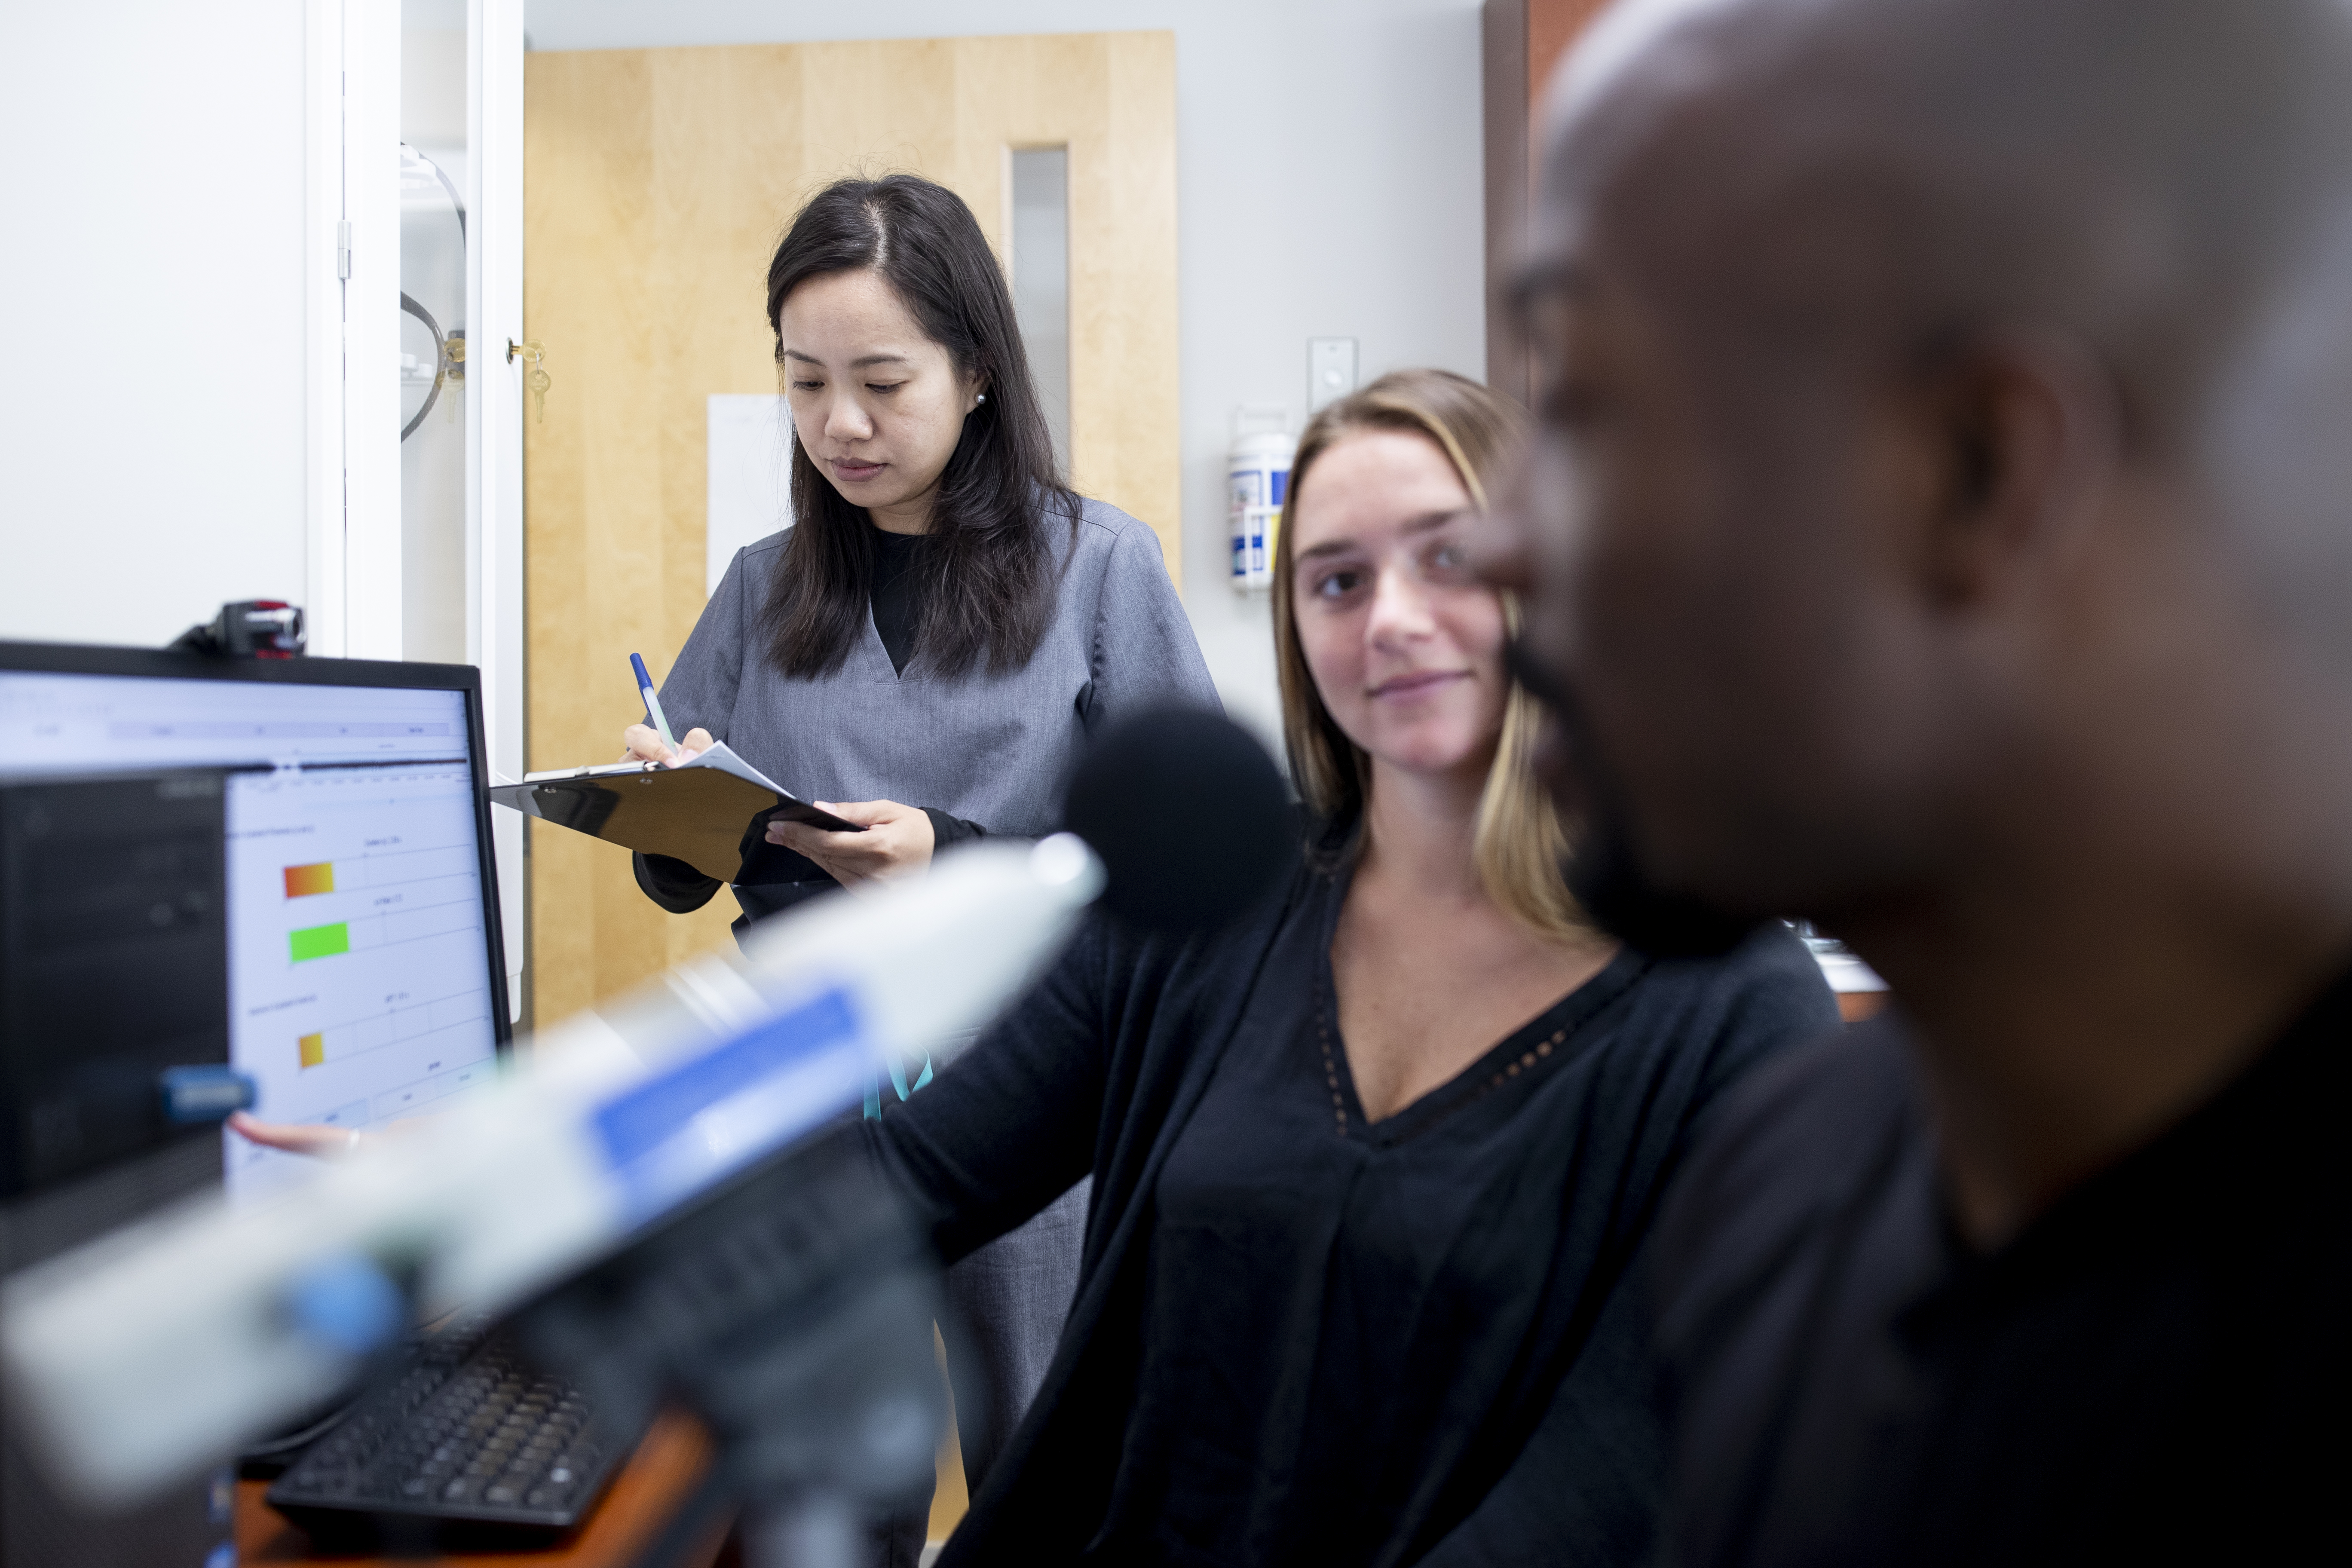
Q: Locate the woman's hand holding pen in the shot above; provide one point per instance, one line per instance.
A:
(897, 841)
(646, 744)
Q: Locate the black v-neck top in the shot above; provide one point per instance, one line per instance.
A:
(1317, 1283)
(1460, 1383)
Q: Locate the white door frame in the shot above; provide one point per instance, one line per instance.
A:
(352, 301)
(326, 266)
(353, 102)
(494, 400)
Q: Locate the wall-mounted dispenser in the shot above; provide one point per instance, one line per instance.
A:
(1257, 480)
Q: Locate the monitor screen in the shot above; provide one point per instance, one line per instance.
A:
(365, 980)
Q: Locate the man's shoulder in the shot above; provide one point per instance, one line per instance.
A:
(1790, 1142)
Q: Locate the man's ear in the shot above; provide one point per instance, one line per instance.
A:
(2026, 431)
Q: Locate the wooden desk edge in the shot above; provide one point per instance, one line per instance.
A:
(1853, 1006)
(674, 1455)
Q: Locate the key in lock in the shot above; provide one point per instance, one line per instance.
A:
(539, 381)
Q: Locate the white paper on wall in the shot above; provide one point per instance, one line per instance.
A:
(751, 492)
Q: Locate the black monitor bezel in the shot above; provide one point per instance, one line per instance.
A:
(140, 663)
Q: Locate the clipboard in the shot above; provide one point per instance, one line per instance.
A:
(711, 811)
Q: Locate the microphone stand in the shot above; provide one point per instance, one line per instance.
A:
(791, 1311)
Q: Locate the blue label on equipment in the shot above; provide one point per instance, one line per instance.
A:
(671, 1136)
(1281, 478)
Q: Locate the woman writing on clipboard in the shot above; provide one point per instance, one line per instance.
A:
(929, 644)
(925, 650)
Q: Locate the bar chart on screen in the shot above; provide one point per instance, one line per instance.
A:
(391, 895)
(359, 988)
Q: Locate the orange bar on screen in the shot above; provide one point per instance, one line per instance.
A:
(301, 881)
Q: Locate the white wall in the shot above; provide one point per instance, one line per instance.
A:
(152, 423)
(1328, 162)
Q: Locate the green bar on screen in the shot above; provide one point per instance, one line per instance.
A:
(320, 942)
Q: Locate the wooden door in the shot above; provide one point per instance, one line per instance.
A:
(656, 182)
(1521, 44)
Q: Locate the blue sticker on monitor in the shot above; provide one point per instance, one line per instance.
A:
(671, 1136)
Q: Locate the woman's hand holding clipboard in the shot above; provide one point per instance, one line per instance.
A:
(710, 809)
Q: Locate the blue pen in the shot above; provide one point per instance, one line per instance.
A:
(653, 703)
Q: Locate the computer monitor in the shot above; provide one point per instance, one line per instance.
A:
(367, 976)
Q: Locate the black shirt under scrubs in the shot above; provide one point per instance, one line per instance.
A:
(2157, 1369)
(1299, 1337)
(896, 606)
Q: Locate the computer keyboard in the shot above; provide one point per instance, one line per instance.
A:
(470, 1433)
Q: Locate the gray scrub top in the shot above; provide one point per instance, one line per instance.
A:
(988, 747)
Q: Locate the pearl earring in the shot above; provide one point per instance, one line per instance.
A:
(982, 398)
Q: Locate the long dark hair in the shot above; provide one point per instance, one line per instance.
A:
(984, 574)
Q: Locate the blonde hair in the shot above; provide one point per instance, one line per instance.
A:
(1518, 846)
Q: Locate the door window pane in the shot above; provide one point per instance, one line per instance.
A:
(1041, 280)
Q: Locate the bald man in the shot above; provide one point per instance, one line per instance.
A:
(1942, 528)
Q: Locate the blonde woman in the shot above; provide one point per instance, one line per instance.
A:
(1372, 1171)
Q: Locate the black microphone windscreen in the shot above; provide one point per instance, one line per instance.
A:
(1190, 816)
